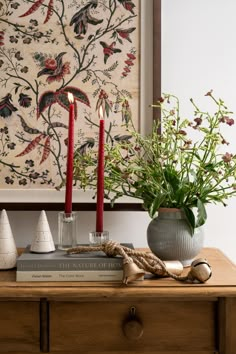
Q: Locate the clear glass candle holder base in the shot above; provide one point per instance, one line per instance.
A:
(96, 238)
(67, 230)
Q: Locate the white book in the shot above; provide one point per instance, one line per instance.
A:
(92, 275)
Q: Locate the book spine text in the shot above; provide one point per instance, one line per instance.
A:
(69, 275)
(68, 266)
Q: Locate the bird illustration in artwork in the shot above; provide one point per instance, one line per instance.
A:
(122, 138)
(54, 68)
(128, 5)
(108, 50)
(125, 33)
(83, 18)
(88, 144)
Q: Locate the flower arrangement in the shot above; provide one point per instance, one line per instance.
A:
(182, 164)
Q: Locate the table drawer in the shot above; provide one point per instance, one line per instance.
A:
(19, 327)
(132, 327)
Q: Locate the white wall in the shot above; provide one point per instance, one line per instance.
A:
(122, 226)
(198, 54)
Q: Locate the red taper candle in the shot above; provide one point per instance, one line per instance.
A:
(100, 175)
(70, 156)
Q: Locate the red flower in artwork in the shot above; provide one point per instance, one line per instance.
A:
(55, 69)
(58, 77)
(129, 63)
(50, 63)
(131, 56)
(104, 104)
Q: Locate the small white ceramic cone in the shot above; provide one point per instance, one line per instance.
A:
(8, 250)
(43, 241)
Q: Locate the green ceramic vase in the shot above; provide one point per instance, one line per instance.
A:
(169, 237)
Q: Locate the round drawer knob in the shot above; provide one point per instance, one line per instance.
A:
(133, 329)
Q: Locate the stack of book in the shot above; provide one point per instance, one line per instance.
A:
(59, 266)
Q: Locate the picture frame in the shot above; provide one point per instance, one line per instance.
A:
(150, 83)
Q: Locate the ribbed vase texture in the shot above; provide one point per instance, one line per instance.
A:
(169, 237)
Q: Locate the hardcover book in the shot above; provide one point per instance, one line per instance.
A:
(73, 275)
(59, 266)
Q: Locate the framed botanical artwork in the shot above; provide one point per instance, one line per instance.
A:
(100, 51)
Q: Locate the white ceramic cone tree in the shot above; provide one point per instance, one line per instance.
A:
(43, 241)
(8, 250)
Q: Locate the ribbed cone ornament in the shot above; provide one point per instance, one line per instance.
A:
(43, 241)
(8, 250)
(131, 271)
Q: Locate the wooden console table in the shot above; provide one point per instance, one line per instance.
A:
(158, 316)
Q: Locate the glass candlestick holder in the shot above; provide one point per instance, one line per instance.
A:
(67, 230)
(98, 237)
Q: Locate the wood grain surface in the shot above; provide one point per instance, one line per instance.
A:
(91, 317)
(19, 327)
(166, 326)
